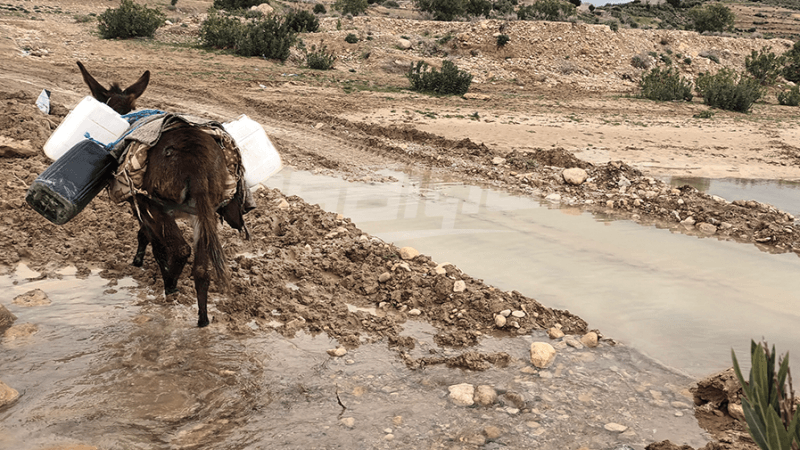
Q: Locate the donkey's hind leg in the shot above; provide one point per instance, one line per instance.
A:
(144, 241)
(169, 247)
(202, 281)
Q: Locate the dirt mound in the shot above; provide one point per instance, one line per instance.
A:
(557, 157)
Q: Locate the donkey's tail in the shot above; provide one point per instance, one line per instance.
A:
(206, 237)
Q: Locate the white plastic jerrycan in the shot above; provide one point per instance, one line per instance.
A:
(90, 116)
(259, 157)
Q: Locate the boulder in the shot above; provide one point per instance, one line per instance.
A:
(263, 8)
(574, 176)
(462, 394)
(542, 354)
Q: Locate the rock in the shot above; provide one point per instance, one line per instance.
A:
(36, 297)
(20, 331)
(337, 352)
(6, 318)
(679, 405)
(615, 427)
(542, 354)
(408, 252)
(414, 312)
(263, 8)
(575, 176)
(500, 321)
(473, 96)
(349, 422)
(459, 286)
(736, 411)
(688, 222)
(555, 333)
(497, 160)
(554, 197)
(440, 269)
(485, 395)
(492, 432)
(7, 395)
(518, 314)
(404, 44)
(706, 228)
(462, 394)
(384, 277)
(283, 204)
(505, 312)
(623, 182)
(12, 148)
(589, 339)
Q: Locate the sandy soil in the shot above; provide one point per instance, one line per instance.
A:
(519, 127)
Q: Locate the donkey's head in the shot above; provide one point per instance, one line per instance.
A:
(121, 101)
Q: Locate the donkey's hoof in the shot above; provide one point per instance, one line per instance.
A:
(202, 322)
(138, 261)
(170, 291)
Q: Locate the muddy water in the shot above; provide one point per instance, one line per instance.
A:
(108, 370)
(783, 194)
(682, 300)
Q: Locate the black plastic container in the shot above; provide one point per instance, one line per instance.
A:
(70, 183)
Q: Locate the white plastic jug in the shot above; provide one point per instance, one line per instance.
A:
(259, 157)
(98, 119)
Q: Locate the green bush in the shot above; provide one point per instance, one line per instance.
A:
(768, 401)
(666, 60)
(764, 66)
(729, 90)
(445, 10)
(640, 61)
(129, 20)
(351, 38)
(613, 25)
(353, 7)
(790, 97)
(711, 17)
(792, 70)
(302, 21)
(391, 4)
(320, 59)
(270, 38)
(229, 5)
(478, 8)
(505, 7)
(319, 8)
(502, 40)
(235, 4)
(546, 10)
(220, 31)
(449, 81)
(665, 85)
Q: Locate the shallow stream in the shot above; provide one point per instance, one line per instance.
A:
(104, 372)
(684, 301)
(112, 371)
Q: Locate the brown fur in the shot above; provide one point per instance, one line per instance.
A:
(185, 175)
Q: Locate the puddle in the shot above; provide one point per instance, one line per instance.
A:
(785, 195)
(682, 300)
(106, 373)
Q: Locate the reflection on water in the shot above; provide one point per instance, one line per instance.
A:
(682, 300)
(783, 194)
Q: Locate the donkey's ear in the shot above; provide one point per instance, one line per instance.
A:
(98, 91)
(137, 89)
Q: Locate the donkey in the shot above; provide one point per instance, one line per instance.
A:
(185, 176)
